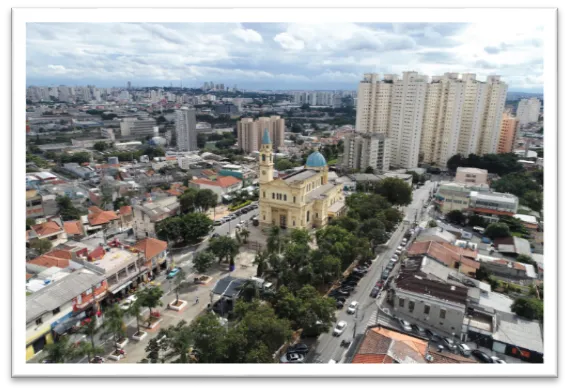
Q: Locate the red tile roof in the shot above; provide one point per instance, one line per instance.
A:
(519, 266)
(73, 227)
(60, 253)
(372, 358)
(100, 217)
(151, 247)
(446, 357)
(96, 254)
(382, 345)
(125, 210)
(46, 228)
(28, 276)
(445, 253)
(222, 182)
(50, 261)
(490, 211)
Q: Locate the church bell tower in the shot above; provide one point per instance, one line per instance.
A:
(266, 159)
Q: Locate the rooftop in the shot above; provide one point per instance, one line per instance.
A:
(115, 259)
(473, 170)
(519, 332)
(222, 182)
(383, 345)
(318, 192)
(299, 176)
(420, 284)
(98, 216)
(151, 247)
(228, 286)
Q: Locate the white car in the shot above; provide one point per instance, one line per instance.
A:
(292, 358)
(405, 325)
(394, 259)
(352, 308)
(399, 248)
(340, 328)
(498, 360)
(464, 350)
(128, 302)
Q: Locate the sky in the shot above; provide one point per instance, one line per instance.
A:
(278, 56)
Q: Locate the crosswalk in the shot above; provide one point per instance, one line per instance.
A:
(372, 319)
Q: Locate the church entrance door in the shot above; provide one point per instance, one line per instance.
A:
(283, 221)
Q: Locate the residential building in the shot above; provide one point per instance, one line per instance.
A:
(491, 205)
(492, 120)
(509, 269)
(367, 150)
(227, 109)
(185, 162)
(406, 119)
(148, 214)
(132, 127)
(303, 199)
(186, 133)
(249, 132)
(99, 219)
(60, 300)
(82, 172)
(455, 196)
(221, 185)
(507, 133)
(49, 230)
(154, 253)
(471, 176)
(475, 94)
(528, 111)
(374, 104)
(454, 257)
(514, 246)
(74, 229)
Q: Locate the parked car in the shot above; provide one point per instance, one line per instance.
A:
(399, 248)
(217, 222)
(464, 350)
(385, 275)
(374, 292)
(339, 305)
(128, 302)
(299, 348)
(344, 291)
(419, 330)
(379, 284)
(173, 273)
(469, 283)
(497, 360)
(449, 343)
(340, 328)
(433, 336)
(352, 308)
(292, 358)
(214, 235)
(405, 325)
(481, 356)
(394, 259)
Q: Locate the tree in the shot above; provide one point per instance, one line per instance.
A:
(395, 190)
(89, 350)
(369, 170)
(61, 351)
(90, 329)
(517, 184)
(456, 216)
(224, 248)
(432, 223)
(529, 308)
(113, 323)
(497, 230)
(477, 220)
(178, 342)
(41, 245)
(283, 164)
(154, 347)
(305, 106)
(275, 241)
(261, 262)
(482, 273)
(120, 202)
(500, 164)
(100, 146)
(296, 128)
(203, 261)
(208, 338)
(534, 200)
(178, 280)
(245, 235)
(135, 310)
(67, 210)
(150, 298)
(205, 199)
(195, 226)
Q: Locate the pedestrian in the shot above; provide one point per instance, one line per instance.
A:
(197, 300)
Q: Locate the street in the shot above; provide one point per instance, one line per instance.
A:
(328, 347)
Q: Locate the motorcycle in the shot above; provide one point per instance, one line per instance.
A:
(345, 343)
(98, 359)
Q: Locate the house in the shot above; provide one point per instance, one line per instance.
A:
(463, 259)
(71, 297)
(509, 269)
(471, 175)
(148, 214)
(50, 230)
(436, 234)
(513, 245)
(221, 185)
(126, 216)
(99, 219)
(154, 252)
(74, 229)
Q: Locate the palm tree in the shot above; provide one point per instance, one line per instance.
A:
(261, 262)
(113, 323)
(178, 280)
(90, 329)
(250, 290)
(89, 350)
(245, 235)
(135, 310)
(274, 242)
(179, 342)
(61, 351)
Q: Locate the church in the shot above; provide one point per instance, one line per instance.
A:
(304, 199)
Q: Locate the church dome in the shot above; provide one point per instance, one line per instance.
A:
(316, 160)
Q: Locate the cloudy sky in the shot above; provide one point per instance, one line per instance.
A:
(277, 55)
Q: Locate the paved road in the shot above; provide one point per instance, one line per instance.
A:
(328, 347)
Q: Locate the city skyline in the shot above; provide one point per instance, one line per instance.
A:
(278, 56)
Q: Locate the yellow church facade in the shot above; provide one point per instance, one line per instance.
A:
(304, 199)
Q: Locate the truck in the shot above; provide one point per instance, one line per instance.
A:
(262, 283)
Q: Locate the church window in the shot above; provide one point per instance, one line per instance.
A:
(307, 216)
(273, 195)
(264, 195)
(316, 215)
(263, 157)
(284, 197)
(294, 199)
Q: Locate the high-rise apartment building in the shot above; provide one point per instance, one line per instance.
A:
(186, 133)
(528, 111)
(367, 150)
(374, 103)
(507, 133)
(472, 114)
(492, 119)
(406, 119)
(249, 132)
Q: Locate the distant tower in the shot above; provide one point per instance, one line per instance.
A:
(266, 159)
(128, 85)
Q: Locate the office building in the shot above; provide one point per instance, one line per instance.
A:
(367, 150)
(471, 175)
(249, 132)
(528, 111)
(186, 133)
(135, 128)
(374, 104)
(507, 133)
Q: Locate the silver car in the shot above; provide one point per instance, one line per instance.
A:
(405, 325)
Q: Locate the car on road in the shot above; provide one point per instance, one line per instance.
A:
(405, 325)
(379, 284)
(419, 330)
(464, 349)
(497, 360)
(339, 304)
(217, 222)
(449, 343)
(481, 356)
(399, 248)
(214, 235)
(433, 336)
(340, 328)
(352, 308)
(173, 273)
(299, 348)
(394, 259)
(374, 292)
(292, 358)
(385, 275)
(241, 222)
(128, 302)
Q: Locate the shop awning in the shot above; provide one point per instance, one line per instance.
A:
(121, 287)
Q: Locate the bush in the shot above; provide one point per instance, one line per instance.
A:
(238, 206)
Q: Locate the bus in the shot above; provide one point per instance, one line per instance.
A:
(478, 229)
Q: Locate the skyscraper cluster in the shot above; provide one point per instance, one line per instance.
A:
(250, 132)
(430, 121)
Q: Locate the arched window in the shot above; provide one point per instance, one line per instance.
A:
(307, 216)
(263, 157)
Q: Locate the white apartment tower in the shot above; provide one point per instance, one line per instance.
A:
(186, 133)
(374, 103)
(442, 119)
(367, 150)
(472, 114)
(492, 120)
(406, 119)
(250, 132)
(528, 111)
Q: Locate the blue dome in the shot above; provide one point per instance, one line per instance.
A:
(316, 160)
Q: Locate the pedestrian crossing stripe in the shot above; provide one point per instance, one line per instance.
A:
(372, 319)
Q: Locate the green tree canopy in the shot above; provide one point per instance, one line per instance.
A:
(395, 190)
(529, 308)
(456, 216)
(100, 146)
(40, 245)
(203, 261)
(497, 230)
(205, 199)
(500, 164)
(224, 248)
(284, 164)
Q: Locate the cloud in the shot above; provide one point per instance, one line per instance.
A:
(278, 55)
